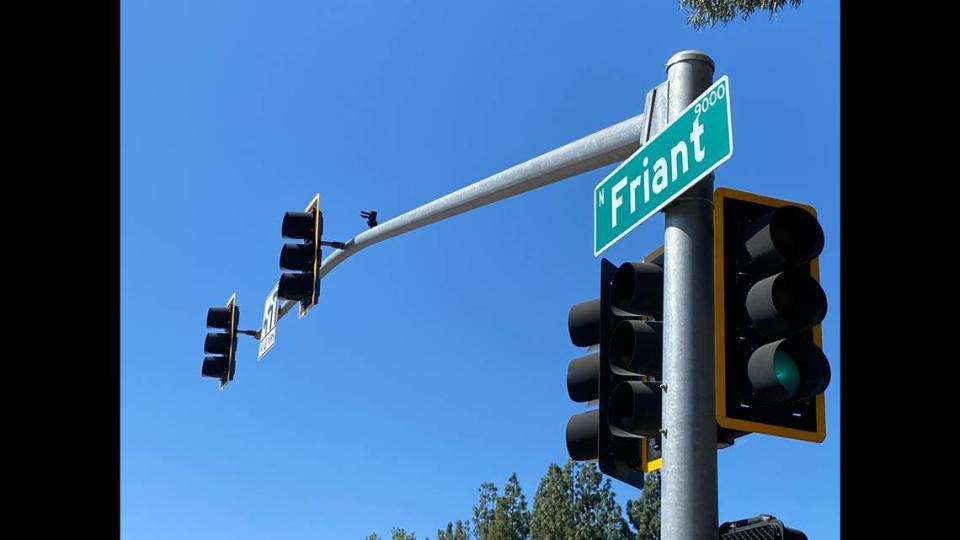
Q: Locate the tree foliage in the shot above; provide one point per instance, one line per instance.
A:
(400, 534)
(702, 13)
(511, 519)
(552, 516)
(458, 531)
(395, 534)
(501, 517)
(597, 515)
(644, 513)
(575, 502)
(484, 510)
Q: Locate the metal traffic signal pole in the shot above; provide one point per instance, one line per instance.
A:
(689, 482)
(609, 145)
(689, 507)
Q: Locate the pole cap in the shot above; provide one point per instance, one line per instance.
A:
(689, 55)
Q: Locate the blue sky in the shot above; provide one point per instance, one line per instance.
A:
(435, 360)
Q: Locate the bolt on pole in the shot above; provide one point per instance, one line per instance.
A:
(689, 489)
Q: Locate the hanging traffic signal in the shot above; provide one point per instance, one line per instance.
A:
(583, 380)
(620, 373)
(631, 366)
(301, 285)
(771, 372)
(220, 348)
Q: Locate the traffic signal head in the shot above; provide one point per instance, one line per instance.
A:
(620, 373)
(583, 323)
(299, 225)
(297, 287)
(637, 288)
(220, 348)
(298, 257)
(303, 259)
(771, 371)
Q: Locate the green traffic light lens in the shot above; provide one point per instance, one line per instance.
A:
(786, 372)
(789, 370)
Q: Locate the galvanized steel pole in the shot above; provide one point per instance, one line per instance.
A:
(689, 489)
(609, 145)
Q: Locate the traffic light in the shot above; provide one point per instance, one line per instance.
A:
(220, 348)
(771, 372)
(762, 526)
(301, 285)
(620, 373)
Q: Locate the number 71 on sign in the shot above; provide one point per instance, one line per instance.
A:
(268, 329)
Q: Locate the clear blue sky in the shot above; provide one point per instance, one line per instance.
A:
(436, 360)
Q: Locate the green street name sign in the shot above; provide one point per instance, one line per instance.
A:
(692, 146)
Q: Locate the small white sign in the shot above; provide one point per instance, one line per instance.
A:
(268, 330)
